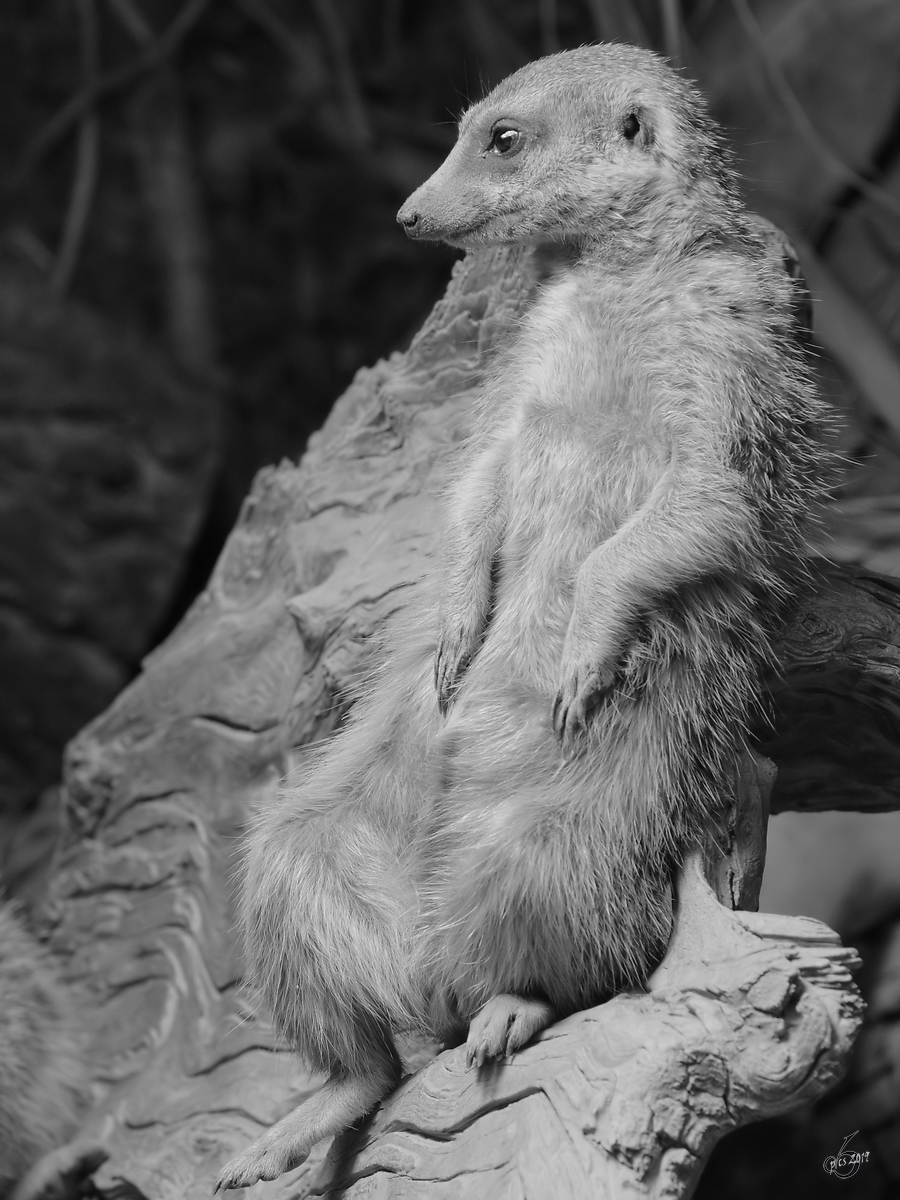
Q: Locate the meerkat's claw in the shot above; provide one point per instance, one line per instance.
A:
(267, 1158)
(503, 1026)
(455, 652)
(582, 690)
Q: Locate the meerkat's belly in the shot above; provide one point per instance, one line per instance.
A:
(567, 494)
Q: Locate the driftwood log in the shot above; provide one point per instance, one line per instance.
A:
(748, 1016)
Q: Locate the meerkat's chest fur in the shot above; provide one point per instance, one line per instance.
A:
(620, 356)
(601, 395)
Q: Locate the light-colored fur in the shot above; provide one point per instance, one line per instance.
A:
(490, 840)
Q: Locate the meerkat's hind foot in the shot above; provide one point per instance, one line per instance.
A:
(280, 1149)
(344, 1099)
(506, 1023)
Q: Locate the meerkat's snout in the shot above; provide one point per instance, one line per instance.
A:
(410, 219)
(430, 212)
(454, 203)
(448, 207)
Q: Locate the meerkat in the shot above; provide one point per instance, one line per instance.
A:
(489, 843)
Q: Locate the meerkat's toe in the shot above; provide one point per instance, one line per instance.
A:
(585, 684)
(455, 651)
(529, 1018)
(267, 1158)
(505, 1024)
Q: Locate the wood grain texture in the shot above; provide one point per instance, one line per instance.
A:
(755, 1017)
(748, 1016)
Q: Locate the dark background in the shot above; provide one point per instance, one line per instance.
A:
(198, 250)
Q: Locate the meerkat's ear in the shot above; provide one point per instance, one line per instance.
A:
(635, 126)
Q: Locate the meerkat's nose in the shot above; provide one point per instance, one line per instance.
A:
(409, 219)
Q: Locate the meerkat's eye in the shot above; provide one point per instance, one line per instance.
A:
(631, 127)
(505, 139)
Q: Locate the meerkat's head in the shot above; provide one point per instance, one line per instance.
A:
(570, 147)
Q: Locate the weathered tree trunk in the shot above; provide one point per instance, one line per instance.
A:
(748, 1015)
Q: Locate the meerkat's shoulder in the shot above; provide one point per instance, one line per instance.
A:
(718, 272)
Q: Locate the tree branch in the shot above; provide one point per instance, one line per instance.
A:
(86, 161)
(106, 85)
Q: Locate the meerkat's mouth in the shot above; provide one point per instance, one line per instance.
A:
(496, 229)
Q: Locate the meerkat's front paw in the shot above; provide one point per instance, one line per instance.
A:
(505, 1024)
(583, 686)
(268, 1157)
(456, 649)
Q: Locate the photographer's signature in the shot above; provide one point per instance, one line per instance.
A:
(846, 1162)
